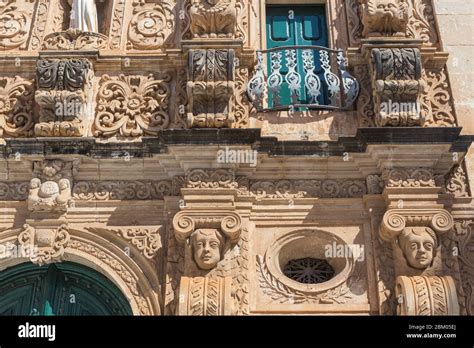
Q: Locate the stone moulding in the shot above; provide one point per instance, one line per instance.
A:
(187, 221)
(73, 39)
(426, 296)
(205, 296)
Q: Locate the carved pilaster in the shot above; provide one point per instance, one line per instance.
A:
(210, 88)
(203, 296)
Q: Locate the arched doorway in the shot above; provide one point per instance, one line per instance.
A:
(59, 289)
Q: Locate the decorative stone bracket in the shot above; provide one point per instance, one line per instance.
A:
(210, 88)
(64, 96)
(213, 18)
(397, 86)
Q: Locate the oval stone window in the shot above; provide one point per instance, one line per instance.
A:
(309, 270)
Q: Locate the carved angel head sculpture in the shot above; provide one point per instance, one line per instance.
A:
(419, 246)
(384, 17)
(207, 246)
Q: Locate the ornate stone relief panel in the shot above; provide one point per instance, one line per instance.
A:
(15, 23)
(16, 107)
(151, 26)
(414, 18)
(132, 106)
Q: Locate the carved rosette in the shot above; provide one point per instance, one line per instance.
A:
(213, 18)
(187, 221)
(210, 88)
(205, 296)
(132, 106)
(16, 106)
(44, 245)
(74, 39)
(397, 86)
(426, 296)
(150, 26)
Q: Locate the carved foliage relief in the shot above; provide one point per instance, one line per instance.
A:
(132, 106)
(16, 106)
(15, 23)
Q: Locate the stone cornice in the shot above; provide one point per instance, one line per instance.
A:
(157, 145)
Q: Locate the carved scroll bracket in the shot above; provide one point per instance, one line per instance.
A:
(188, 221)
(396, 220)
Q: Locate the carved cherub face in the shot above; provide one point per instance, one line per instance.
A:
(387, 7)
(206, 246)
(418, 246)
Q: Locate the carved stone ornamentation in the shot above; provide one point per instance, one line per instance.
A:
(132, 106)
(205, 296)
(208, 233)
(464, 237)
(147, 241)
(409, 177)
(397, 86)
(45, 245)
(15, 23)
(436, 103)
(308, 188)
(211, 88)
(64, 95)
(14, 191)
(426, 296)
(415, 237)
(74, 39)
(384, 17)
(122, 190)
(212, 179)
(213, 18)
(151, 25)
(456, 182)
(16, 107)
(50, 189)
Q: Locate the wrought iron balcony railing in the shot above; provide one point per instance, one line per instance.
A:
(301, 78)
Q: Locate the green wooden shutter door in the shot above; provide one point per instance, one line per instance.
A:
(296, 25)
(60, 289)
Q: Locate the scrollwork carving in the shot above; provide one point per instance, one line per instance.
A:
(14, 191)
(46, 245)
(15, 23)
(16, 106)
(132, 106)
(151, 25)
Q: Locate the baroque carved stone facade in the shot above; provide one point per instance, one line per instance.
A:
(204, 172)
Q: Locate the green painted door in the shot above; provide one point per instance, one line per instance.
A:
(60, 289)
(297, 25)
